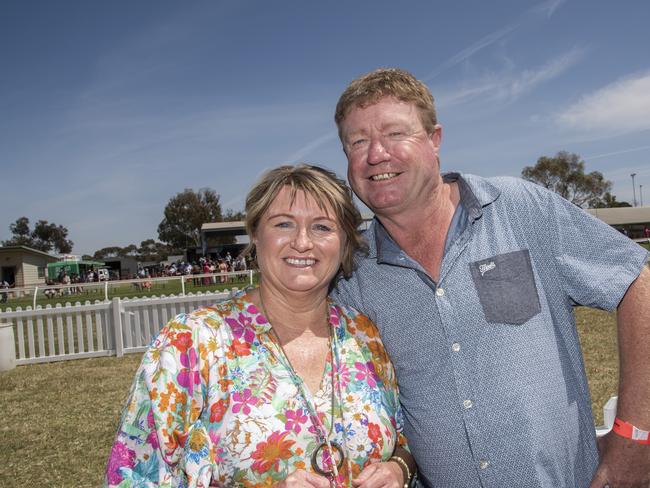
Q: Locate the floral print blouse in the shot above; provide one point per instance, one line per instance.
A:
(214, 401)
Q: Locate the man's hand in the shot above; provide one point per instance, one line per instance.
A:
(381, 475)
(623, 463)
(301, 478)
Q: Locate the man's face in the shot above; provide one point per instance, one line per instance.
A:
(392, 160)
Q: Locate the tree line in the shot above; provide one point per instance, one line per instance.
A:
(179, 229)
(188, 210)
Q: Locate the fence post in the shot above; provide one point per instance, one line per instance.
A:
(183, 284)
(117, 327)
(34, 301)
(106, 290)
(250, 277)
(7, 347)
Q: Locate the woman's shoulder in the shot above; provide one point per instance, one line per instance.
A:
(355, 322)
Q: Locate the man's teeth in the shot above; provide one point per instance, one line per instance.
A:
(383, 176)
(301, 262)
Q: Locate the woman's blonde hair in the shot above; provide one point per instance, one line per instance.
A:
(324, 187)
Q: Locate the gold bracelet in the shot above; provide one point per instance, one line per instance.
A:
(405, 469)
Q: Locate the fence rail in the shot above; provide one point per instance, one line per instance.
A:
(104, 328)
(106, 290)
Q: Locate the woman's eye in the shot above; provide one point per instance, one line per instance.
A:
(283, 225)
(322, 228)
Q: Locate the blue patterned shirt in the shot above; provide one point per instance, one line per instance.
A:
(489, 366)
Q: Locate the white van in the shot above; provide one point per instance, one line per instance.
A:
(102, 274)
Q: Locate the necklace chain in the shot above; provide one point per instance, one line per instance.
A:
(322, 435)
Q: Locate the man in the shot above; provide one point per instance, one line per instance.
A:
(472, 282)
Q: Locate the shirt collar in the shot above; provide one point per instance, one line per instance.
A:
(475, 194)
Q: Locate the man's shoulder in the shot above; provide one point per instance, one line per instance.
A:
(506, 189)
(503, 183)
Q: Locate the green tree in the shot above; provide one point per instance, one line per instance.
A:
(565, 174)
(232, 216)
(108, 252)
(608, 201)
(184, 215)
(45, 236)
(151, 250)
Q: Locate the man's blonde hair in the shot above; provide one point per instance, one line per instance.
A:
(387, 82)
(324, 187)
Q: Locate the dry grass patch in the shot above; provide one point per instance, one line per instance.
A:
(60, 418)
(597, 331)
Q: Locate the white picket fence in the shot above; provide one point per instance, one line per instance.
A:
(104, 328)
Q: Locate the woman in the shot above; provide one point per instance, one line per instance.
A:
(278, 386)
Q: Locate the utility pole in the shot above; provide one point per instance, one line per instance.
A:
(633, 189)
(641, 195)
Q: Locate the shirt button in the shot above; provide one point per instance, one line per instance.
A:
(467, 404)
(483, 463)
(455, 347)
(440, 292)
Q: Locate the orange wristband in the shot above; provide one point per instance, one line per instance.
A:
(629, 431)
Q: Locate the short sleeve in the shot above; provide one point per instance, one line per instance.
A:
(367, 331)
(162, 438)
(597, 263)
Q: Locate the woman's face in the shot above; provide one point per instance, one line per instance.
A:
(299, 246)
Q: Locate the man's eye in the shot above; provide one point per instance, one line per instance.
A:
(358, 142)
(395, 134)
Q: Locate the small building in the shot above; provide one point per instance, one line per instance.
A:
(22, 266)
(632, 220)
(122, 267)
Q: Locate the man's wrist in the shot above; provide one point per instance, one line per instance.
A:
(629, 431)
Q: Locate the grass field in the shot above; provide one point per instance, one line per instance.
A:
(124, 290)
(59, 419)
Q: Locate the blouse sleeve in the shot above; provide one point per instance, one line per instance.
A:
(383, 367)
(163, 437)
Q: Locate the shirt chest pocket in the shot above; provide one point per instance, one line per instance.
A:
(506, 287)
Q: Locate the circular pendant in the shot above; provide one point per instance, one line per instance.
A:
(337, 453)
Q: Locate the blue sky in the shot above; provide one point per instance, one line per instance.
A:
(108, 109)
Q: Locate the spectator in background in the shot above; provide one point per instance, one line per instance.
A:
(4, 291)
(206, 270)
(223, 268)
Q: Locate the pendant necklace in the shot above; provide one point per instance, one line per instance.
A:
(329, 456)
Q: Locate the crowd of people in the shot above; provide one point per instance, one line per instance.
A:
(209, 265)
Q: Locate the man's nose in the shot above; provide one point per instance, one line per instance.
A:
(377, 151)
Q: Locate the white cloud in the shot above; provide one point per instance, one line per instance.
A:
(616, 153)
(508, 86)
(618, 108)
(548, 8)
(545, 9)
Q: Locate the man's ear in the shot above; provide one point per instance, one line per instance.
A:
(436, 135)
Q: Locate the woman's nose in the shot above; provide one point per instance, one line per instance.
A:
(302, 240)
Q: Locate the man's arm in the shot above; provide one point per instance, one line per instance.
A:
(624, 462)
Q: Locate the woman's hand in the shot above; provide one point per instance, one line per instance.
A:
(301, 478)
(381, 475)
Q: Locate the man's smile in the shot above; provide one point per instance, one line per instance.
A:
(383, 176)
